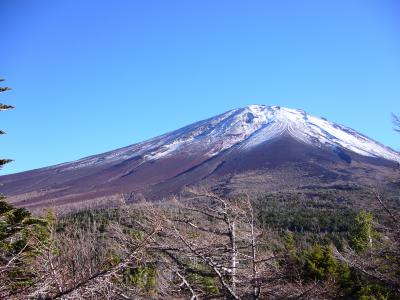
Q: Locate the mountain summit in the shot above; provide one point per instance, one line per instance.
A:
(231, 147)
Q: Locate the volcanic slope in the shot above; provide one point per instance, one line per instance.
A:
(255, 148)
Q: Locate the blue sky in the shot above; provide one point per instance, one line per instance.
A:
(91, 76)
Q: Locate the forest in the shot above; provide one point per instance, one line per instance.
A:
(201, 246)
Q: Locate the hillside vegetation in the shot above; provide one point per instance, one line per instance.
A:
(203, 246)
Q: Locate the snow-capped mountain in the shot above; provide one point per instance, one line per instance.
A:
(246, 127)
(256, 137)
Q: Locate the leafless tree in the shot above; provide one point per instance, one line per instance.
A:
(208, 236)
(80, 262)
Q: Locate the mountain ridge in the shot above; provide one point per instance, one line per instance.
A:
(256, 137)
(390, 153)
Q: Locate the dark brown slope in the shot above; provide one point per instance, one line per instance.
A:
(282, 163)
(279, 163)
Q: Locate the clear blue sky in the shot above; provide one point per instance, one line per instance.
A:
(91, 76)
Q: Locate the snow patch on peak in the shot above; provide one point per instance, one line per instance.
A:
(316, 131)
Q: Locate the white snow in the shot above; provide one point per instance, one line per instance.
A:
(312, 130)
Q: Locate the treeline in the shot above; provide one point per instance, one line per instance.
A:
(200, 247)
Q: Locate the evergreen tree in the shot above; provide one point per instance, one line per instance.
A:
(20, 235)
(4, 107)
(363, 232)
(320, 263)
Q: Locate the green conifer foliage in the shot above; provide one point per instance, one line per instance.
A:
(20, 235)
(363, 232)
(321, 264)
